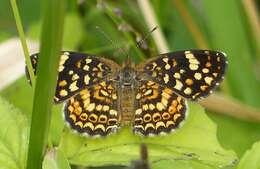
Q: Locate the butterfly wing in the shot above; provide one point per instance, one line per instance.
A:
(76, 72)
(191, 74)
(158, 109)
(93, 111)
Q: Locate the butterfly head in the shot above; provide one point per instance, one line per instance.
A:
(127, 76)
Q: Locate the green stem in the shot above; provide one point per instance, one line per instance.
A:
(51, 39)
(23, 41)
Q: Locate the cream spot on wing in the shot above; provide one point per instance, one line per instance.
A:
(208, 80)
(90, 125)
(160, 106)
(169, 123)
(182, 71)
(165, 60)
(100, 126)
(164, 101)
(151, 106)
(62, 83)
(160, 124)
(75, 77)
(178, 85)
(88, 60)
(86, 79)
(166, 95)
(99, 107)
(176, 116)
(145, 107)
(73, 86)
(193, 66)
(91, 107)
(187, 91)
(149, 125)
(177, 75)
(63, 58)
(166, 78)
(167, 66)
(138, 96)
(197, 76)
(71, 72)
(114, 96)
(189, 55)
(86, 102)
(113, 112)
(86, 67)
(194, 61)
(105, 108)
(63, 93)
(205, 70)
(61, 68)
(100, 66)
(138, 111)
(148, 92)
(203, 88)
(105, 93)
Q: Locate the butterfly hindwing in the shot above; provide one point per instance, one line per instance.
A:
(158, 109)
(76, 72)
(93, 111)
(192, 74)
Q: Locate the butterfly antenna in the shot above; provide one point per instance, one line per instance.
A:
(145, 37)
(114, 44)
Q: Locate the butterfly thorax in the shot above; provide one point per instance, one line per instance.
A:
(127, 85)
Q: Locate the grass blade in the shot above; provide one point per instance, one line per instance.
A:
(51, 39)
(23, 40)
(149, 16)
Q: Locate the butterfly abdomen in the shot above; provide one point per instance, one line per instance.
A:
(126, 104)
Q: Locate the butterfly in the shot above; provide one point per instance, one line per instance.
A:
(100, 96)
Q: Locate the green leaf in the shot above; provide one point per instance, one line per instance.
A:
(55, 159)
(196, 140)
(13, 137)
(15, 93)
(251, 159)
(181, 164)
(244, 133)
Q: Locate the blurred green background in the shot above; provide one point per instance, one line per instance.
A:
(222, 25)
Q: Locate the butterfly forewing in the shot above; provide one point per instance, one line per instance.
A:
(78, 71)
(93, 111)
(192, 74)
(158, 109)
